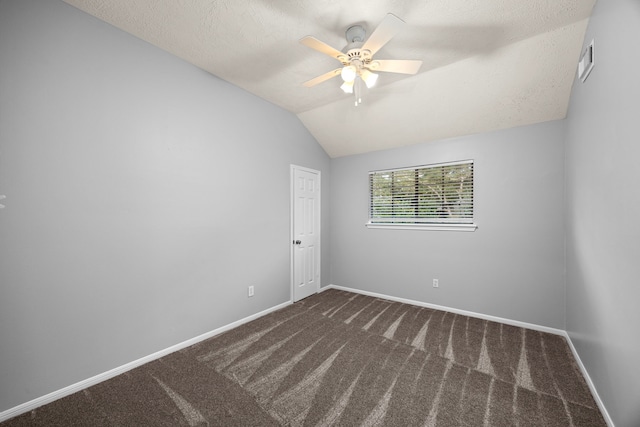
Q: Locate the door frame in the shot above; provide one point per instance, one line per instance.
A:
(292, 170)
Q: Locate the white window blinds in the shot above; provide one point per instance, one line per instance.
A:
(435, 194)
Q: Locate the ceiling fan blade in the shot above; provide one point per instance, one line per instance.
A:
(389, 27)
(402, 66)
(322, 47)
(322, 78)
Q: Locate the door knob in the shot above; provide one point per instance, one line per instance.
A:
(297, 242)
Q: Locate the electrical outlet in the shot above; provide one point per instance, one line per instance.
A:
(250, 291)
(435, 283)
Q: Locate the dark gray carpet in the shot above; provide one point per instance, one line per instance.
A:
(339, 358)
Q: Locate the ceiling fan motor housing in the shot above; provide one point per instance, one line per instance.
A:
(353, 50)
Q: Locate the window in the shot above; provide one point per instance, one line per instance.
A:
(432, 197)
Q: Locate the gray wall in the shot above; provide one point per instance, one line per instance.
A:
(143, 197)
(603, 211)
(512, 266)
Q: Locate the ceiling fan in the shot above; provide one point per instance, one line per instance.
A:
(358, 64)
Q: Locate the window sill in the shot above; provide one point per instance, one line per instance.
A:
(426, 227)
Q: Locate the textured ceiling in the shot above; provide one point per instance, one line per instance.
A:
(487, 65)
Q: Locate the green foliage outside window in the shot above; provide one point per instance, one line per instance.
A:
(422, 195)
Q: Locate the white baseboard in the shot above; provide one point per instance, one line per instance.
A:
(518, 323)
(73, 388)
(453, 310)
(592, 386)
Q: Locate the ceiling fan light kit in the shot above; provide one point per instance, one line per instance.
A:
(357, 57)
(347, 87)
(348, 73)
(369, 78)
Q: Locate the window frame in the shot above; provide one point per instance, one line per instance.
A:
(442, 225)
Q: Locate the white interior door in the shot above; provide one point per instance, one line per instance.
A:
(305, 232)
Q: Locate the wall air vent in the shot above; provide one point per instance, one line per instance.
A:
(586, 63)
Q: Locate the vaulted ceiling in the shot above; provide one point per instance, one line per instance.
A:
(487, 65)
